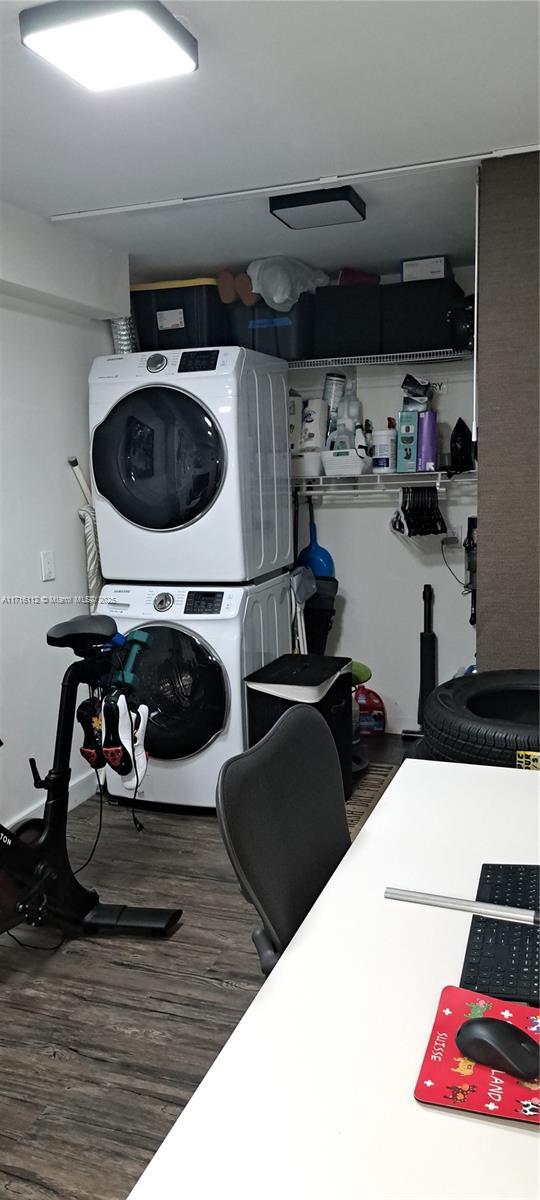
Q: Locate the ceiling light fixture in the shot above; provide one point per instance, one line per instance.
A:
(323, 206)
(108, 44)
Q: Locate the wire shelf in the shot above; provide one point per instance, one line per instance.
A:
(380, 485)
(382, 360)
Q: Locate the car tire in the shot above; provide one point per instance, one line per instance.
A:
(484, 718)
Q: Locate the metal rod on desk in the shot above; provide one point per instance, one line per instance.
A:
(498, 912)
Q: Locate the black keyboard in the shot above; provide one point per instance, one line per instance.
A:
(502, 957)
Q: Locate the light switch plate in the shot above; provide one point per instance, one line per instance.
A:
(48, 566)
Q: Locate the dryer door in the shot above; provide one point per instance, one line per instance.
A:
(159, 458)
(184, 684)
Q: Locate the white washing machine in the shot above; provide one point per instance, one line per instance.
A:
(190, 465)
(192, 648)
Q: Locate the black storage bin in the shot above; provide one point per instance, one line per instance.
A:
(347, 320)
(322, 681)
(192, 305)
(414, 315)
(284, 335)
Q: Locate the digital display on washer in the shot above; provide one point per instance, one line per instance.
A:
(198, 360)
(203, 603)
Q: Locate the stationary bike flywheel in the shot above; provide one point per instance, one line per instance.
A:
(11, 891)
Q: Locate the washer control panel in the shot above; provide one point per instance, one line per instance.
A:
(142, 602)
(163, 601)
(203, 604)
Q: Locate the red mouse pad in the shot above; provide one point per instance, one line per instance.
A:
(449, 1079)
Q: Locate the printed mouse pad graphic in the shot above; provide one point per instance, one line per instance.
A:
(450, 1079)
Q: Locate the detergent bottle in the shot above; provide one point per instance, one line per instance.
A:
(371, 711)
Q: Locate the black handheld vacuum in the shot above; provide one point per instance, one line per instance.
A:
(428, 662)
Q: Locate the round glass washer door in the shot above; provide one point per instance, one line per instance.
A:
(159, 458)
(184, 685)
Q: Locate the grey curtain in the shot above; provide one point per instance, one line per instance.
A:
(508, 391)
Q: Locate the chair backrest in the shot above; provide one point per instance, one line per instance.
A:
(281, 810)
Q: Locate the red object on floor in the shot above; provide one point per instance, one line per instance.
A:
(371, 711)
(452, 1081)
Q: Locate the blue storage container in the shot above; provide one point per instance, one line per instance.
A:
(284, 335)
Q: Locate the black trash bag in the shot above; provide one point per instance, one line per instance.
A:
(319, 614)
(461, 455)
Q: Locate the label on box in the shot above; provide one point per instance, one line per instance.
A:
(170, 318)
(424, 268)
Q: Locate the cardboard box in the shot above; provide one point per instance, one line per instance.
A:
(407, 441)
(426, 458)
(425, 268)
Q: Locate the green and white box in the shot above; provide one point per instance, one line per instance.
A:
(407, 441)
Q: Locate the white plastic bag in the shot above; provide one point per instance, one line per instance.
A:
(280, 281)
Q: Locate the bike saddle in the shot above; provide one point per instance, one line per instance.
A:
(81, 633)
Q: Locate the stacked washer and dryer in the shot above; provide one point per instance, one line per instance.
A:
(190, 481)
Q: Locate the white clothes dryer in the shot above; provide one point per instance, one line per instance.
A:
(194, 648)
(190, 465)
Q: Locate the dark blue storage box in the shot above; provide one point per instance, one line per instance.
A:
(414, 315)
(284, 335)
(347, 320)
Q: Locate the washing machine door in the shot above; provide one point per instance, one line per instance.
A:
(159, 458)
(183, 683)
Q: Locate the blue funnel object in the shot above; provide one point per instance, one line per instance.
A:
(315, 557)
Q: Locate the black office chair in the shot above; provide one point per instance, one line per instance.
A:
(281, 811)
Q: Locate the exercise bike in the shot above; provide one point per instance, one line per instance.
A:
(37, 883)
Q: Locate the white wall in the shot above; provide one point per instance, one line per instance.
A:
(46, 263)
(45, 357)
(379, 611)
(53, 286)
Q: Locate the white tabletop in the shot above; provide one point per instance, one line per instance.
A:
(312, 1096)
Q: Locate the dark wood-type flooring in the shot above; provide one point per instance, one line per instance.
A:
(103, 1043)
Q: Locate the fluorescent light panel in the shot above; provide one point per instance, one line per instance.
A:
(106, 46)
(317, 208)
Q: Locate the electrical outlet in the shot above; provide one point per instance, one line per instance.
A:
(439, 387)
(48, 566)
(453, 536)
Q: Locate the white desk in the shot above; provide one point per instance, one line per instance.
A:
(312, 1097)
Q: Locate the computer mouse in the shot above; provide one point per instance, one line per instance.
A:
(500, 1045)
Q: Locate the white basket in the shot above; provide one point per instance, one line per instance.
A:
(345, 462)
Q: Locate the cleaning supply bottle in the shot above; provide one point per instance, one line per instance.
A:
(347, 419)
(371, 711)
(384, 447)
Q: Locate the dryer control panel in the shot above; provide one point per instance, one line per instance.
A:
(161, 365)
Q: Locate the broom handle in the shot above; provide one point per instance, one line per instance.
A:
(74, 464)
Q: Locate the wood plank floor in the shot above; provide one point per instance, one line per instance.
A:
(103, 1043)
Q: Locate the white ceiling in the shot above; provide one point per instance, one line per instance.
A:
(287, 90)
(413, 214)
